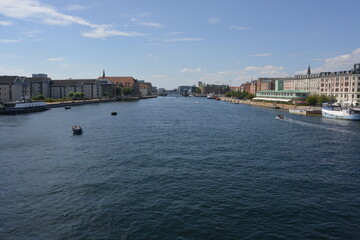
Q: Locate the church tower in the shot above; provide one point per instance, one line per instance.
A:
(103, 76)
(309, 70)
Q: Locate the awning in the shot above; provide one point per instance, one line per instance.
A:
(272, 99)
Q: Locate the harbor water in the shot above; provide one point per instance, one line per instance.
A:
(178, 168)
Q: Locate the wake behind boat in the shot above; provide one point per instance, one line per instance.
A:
(281, 117)
(331, 111)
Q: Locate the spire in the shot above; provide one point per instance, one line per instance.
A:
(309, 70)
(103, 73)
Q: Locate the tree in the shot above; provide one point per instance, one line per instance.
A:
(71, 94)
(198, 90)
(38, 97)
(126, 91)
(82, 94)
(312, 99)
(77, 95)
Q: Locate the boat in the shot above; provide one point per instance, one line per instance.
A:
(274, 106)
(330, 111)
(24, 106)
(281, 117)
(211, 96)
(77, 130)
(67, 107)
(113, 113)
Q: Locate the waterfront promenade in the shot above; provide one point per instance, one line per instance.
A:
(267, 104)
(93, 101)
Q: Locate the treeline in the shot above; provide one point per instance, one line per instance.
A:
(239, 95)
(318, 99)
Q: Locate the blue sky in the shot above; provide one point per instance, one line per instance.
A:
(173, 42)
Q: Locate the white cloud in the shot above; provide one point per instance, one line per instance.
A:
(5, 23)
(9, 41)
(54, 59)
(338, 63)
(32, 33)
(103, 32)
(269, 71)
(214, 20)
(35, 10)
(12, 71)
(187, 70)
(151, 56)
(262, 55)
(159, 76)
(175, 33)
(240, 28)
(183, 40)
(342, 62)
(146, 23)
(75, 7)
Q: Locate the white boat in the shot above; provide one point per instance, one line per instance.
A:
(211, 96)
(25, 106)
(331, 111)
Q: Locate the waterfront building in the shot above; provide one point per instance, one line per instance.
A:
(12, 88)
(145, 88)
(282, 95)
(124, 82)
(344, 85)
(212, 88)
(38, 84)
(235, 89)
(92, 88)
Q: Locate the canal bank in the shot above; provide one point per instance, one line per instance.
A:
(92, 101)
(267, 104)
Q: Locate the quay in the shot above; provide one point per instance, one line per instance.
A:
(302, 110)
(93, 101)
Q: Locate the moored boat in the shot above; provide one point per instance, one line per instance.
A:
(338, 112)
(25, 106)
(211, 96)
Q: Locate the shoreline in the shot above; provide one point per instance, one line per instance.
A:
(93, 101)
(269, 105)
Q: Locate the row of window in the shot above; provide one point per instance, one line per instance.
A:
(285, 94)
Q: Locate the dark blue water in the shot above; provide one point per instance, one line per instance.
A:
(178, 168)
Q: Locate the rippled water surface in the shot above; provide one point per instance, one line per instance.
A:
(178, 168)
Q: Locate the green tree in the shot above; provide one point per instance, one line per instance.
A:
(82, 94)
(117, 91)
(312, 99)
(126, 91)
(77, 95)
(198, 90)
(71, 94)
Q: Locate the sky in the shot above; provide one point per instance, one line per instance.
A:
(178, 42)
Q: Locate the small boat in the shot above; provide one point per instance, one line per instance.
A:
(275, 107)
(281, 117)
(77, 130)
(67, 107)
(113, 113)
